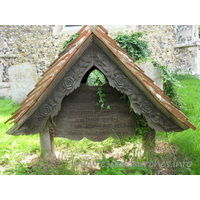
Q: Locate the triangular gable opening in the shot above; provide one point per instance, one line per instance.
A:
(94, 77)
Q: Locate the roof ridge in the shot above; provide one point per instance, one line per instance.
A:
(92, 28)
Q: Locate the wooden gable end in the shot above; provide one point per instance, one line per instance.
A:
(98, 50)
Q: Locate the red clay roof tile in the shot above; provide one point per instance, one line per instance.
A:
(103, 29)
(80, 31)
(55, 64)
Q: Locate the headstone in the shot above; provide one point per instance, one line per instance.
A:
(23, 78)
(152, 73)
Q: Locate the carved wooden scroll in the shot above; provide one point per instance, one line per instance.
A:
(94, 56)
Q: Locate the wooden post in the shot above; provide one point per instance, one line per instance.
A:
(148, 141)
(47, 144)
(53, 155)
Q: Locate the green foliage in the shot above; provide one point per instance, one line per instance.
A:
(41, 168)
(72, 37)
(108, 167)
(101, 97)
(111, 166)
(170, 83)
(125, 97)
(141, 126)
(199, 31)
(188, 141)
(96, 78)
(132, 44)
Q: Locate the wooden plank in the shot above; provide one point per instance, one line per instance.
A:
(80, 117)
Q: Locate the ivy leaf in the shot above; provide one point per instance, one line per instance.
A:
(101, 101)
(108, 108)
(97, 104)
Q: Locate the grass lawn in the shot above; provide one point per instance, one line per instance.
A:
(189, 141)
(21, 154)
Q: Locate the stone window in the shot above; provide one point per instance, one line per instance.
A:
(66, 29)
(72, 25)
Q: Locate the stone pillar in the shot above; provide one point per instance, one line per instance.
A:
(46, 144)
(148, 141)
(188, 50)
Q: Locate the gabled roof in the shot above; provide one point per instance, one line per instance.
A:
(119, 56)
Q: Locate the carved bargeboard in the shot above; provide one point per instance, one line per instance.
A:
(93, 56)
(80, 117)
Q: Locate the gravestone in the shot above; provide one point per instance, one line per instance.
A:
(80, 116)
(23, 78)
(152, 72)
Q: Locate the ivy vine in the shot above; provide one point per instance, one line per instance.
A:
(66, 42)
(169, 83)
(133, 45)
(141, 126)
(96, 78)
(101, 97)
